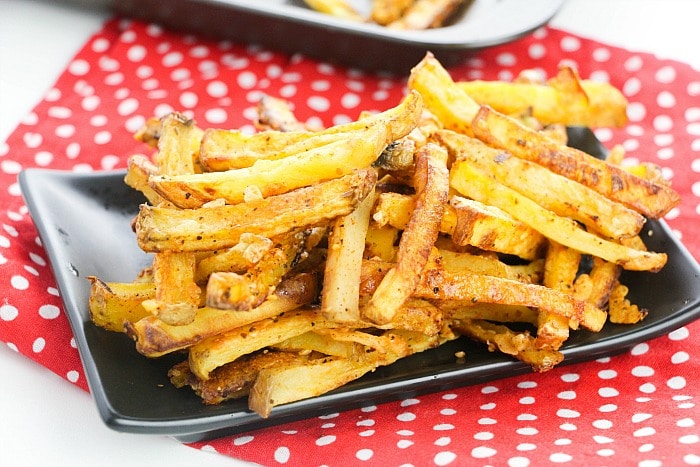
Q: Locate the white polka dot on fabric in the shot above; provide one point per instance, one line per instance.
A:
(537, 51)
(136, 53)
(601, 54)
(567, 395)
(366, 422)
(527, 431)
(677, 382)
(608, 392)
(79, 67)
(645, 431)
(108, 63)
(506, 59)
(663, 123)
(49, 311)
(484, 435)
(443, 441)
(680, 357)
(560, 458)
(318, 103)
(489, 389)
(90, 103)
(665, 75)
(603, 424)
(216, 116)
(527, 400)
(483, 452)
(282, 454)
(100, 45)
(325, 440)
(647, 388)
(38, 344)
(172, 59)
(406, 417)
(634, 64)
(65, 131)
(489, 406)
(636, 111)
(242, 440)
(640, 417)
(444, 458)
(666, 99)
(8, 312)
(364, 454)
(43, 158)
(607, 374)
(32, 140)
(404, 443)
(73, 376)
(102, 137)
(679, 334)
(19, 283)
(640, 349)
(570, 44)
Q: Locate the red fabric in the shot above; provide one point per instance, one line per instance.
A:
(634, 408)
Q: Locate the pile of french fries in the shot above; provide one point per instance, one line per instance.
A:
(291, 261)
(394, 14)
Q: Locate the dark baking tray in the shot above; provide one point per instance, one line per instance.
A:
(83, 220)
(289, 26)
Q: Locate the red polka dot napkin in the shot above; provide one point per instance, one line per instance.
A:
(640, 407)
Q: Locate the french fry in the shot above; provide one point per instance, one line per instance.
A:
(177, 294)
(112, 304)
(276, 114)
(226, 347)
(564, 99)
(520, 345)
(426, 14)
(417, 239)
(387, 11)
(338, 8)
(284, 384)
(444, 98)
(490, 228)
(155, 338)
(554, 192)
(209, 229)
(233, 380)
(646, 197)
(242, 292)
(273, 177)
(437, 284)
(474, 183)
(341, 279)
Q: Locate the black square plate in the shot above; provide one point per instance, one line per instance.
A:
(83, 220)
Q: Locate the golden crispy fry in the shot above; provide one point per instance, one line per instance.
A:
(239, 258)
(233, 380)
(387, 11)
(381, 242)
(338, 8)
(242, 292)
(520, 345)
(559, 194)
(324, 343)
(426, 14)
(481, 264)
(474, 183)
(139, 169)
(417, 239)
(341, 279)
(648, 198)
(112, 304)
(621, 310)
(437, 284)
(458, 310)
(282, 384)
(272, 177)
(442, 96)
(596, 286)
(287, 383)
(490, 228)
(560, 268)
(226, 347)
(209, 229)
(276, 114)
(564, 99)
(177, 294)
(154, 338)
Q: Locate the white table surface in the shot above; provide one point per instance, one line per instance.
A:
(46, 421)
